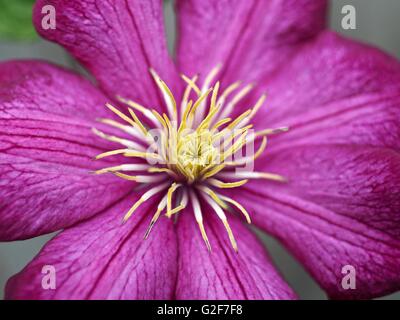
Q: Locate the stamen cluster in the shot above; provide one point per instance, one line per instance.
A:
(190, 154)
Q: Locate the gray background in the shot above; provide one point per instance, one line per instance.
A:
(377, 23)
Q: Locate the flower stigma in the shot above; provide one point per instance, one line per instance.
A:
(189, 154)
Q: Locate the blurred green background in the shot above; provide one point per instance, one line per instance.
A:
(377, 23)
(15, 20)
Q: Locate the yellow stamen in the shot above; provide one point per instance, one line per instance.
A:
(235, 147)
(147, 195)
(140, 178)
(197, 104)
(258, 105)
(236, 99)
(124, 167)
(224, 185)
(209, 173)
(160, 119)
(232, 136)
(230, 234)
(253, 175)
(237, 205)
(125, 142)
(191, 83)
(235, 122)
(160, 208)
(204, 235)
(221, 123)
(111, 153)
(145, 155)
(271, 131)
(227, 92)
(220, 213)
(128, 129)
(207, 83)
(258, 153)
(213, 195)
(185, 116)
(121, 115)
(214, 96)
(210, 77)
(160, 170)
(145, 111)
(167, 94)
(171, 190)
(182, 204)
(152, 223)
(186, 95)
(138, 122)
(199, 218)
(188, 152)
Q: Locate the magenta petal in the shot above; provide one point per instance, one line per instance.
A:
(340, 207)
(117, 41)
(47, 150)
(103, 258)
(370, 119)
(329, 75)
(223, 273)
(251, 38)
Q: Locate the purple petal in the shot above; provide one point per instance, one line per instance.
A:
(103, 258)
(369, 119)
(251, 38)
(223, 273)
(47, 150)
(330, 75)
(340, 207)
(117, 41)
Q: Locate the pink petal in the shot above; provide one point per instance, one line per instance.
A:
(252, 39)
(103, 258)
(368, 119)
(330, 75)
(341, 101)
(340, 207)
(47, 150)
(117, 41)
(223, 273)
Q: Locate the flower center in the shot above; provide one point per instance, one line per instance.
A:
(196, 151)
(190, 154)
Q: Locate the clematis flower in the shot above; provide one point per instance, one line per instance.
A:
(328, 188)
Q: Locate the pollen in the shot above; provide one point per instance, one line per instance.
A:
(196, 151)
(187, 156)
